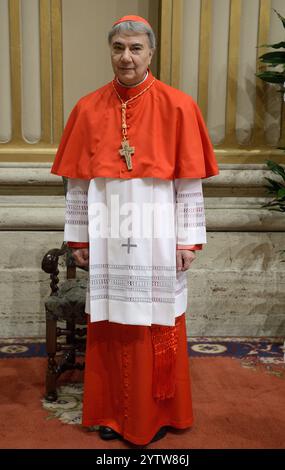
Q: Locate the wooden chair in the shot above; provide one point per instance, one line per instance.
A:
(66, 304)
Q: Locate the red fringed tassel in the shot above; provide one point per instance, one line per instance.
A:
(164, 341)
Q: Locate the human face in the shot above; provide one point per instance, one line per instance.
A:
(130, 55)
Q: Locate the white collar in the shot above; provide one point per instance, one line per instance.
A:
(133, 86)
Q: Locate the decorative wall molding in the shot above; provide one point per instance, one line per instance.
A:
(234, 199)
(28, 178)
(28, 175)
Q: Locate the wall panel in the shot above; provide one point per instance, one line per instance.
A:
(242, 112)
(5, 77)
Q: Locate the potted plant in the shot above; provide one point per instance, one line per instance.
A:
(276, 188)
(273, 60)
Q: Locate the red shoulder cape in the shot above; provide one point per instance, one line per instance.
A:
(165, 127)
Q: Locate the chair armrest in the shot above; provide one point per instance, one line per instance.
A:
(51, 258)
(50, 265)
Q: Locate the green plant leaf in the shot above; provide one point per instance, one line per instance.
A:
(277, 45)
(271, 77)
(275, 206)
(274, 185)
(277, 57)
(281, 209)
(274, 66)
(276, 168)
(281, 193)
(280, 17)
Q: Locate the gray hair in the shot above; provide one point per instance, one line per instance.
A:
(134, 27)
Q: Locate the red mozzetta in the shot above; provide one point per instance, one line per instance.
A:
(168, 145)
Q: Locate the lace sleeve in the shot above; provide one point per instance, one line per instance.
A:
(190, 213)
(76, 211)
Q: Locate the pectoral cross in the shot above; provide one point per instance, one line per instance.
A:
(127, 152)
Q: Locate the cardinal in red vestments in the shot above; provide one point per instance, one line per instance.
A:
(143, 142)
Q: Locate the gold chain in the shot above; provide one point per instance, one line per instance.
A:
(124, 107)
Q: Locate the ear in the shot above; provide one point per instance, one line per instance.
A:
(151, 52)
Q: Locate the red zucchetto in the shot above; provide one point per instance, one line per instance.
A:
(138, 19)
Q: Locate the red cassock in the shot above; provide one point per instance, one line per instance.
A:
(136, 377)
(119, 382)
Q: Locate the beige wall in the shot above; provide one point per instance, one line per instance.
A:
(5, 115)
(31, 70)
(217, 82)
(86, 64)
(86, 23)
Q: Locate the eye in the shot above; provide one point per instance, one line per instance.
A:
(117, 47)
(136, 49)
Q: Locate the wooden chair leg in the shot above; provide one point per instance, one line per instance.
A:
(51, 373)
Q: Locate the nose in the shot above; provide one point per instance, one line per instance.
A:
(126, 55)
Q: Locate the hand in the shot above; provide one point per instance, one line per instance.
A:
(81, 256)
(184, 258)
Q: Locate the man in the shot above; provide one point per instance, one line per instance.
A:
(134, 153)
